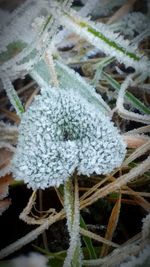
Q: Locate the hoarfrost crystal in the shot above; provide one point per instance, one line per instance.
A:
(60, 133)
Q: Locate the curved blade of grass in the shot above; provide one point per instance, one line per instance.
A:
(135, 102)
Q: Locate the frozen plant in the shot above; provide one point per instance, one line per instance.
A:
(60, 133)
(65, 130)
(103, 38)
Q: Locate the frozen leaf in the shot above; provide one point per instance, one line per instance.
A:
(62, 132)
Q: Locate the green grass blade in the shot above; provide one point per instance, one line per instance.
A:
(135, 102)
(88, 241)
(111, 43)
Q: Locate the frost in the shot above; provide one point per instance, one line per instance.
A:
(61, 133)
(68, 78)
(33, 259)
(146, 227)
(4, 15)
(107, 41)
(143, 259)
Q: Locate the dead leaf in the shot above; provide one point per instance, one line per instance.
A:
(122, 11)
(5, 157)
(4, 189)
(135, 141)
(112, 224)
(4, 204)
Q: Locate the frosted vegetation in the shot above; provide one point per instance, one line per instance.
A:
(67, 132)
(63, 127)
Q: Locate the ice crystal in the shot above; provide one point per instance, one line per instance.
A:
(61, 132)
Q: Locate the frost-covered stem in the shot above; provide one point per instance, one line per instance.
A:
(68, 203)
(23, 215)
(146, 228)
(115, 258)
(50, 63)
(71, 204)
(12, 95)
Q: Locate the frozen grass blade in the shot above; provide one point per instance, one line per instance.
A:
(106, 40)
(13, 97)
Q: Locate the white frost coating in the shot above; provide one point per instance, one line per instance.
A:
(31, 260)
(60, 133)
(146, 227)
(143, 259)
(109, 42)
